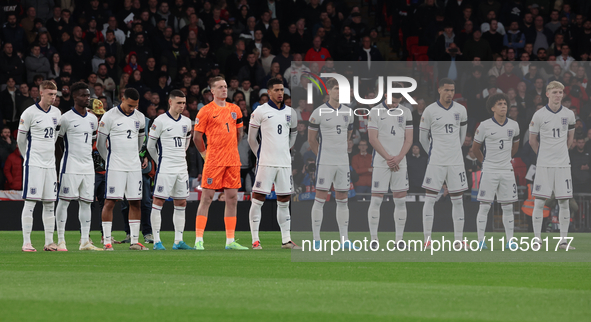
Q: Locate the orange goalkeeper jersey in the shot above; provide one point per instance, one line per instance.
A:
(220, 124)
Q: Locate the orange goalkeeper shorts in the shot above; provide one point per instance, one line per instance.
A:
(220, 177)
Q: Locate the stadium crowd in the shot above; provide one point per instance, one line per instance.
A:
(515, 47)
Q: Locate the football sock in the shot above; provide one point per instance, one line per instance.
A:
(428, 215)
(61, 214)
(317, 214)
(27, 221)
(254, 215)
(343, 218)
(134, 230)
(230, 227)
(84, 215)
(156, 220)
(178, 219)
(399, 217)
(48, 221)
(200, 222)
(481, 219)
(563, 219)
(458, 216)
(107, 226)
(508, 220)
(284, 221)
(373, 216)
(537, 218)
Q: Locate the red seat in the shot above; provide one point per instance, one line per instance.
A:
(413, 40)
(419, 50)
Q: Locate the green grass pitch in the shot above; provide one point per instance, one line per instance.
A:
(223, 285)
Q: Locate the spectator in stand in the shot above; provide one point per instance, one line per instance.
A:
(10, 65)
(580, 162)
(131, 63)
(36, 64)
(494, 36)
(252, 71)
(112, 25)
(361, 163)
(236, 60)
(7, 146)
(14, 33)
(477, 47)
(13, 171)
(294, 73)
(319, 54)
(508, 79)
(46, 48)
(284, 58)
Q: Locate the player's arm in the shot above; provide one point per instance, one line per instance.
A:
(424, 129)
(23, 130)
(408, 137)
(350, 127)
(253, 131)
(476, 149)
(293, 130)
(188, 138)
(534, 129)
(313, 128)
(239, 132)
(571, 131)
(200, 127)
(376, 144)
(463, 127)
(515, 147)
(103, 133)
(153, 136)
(199, 143)
(141, 136)
(239, 124)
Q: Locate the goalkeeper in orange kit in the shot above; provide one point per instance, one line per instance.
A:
(221, 122)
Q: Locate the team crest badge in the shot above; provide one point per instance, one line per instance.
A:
(111, 189)
(22, 121)
(196, 121)
(233, 115)
(33, 191)
(102, 124)
(54, 119)
(510, 133)
(153, 126)
(288, 118)
(457, 117)
(137, 125)
(209, 180)
(92, 126)
(160, 188)
(564, 121)
(482, 193)
(258, 184)
(376, 184)
(401, 119)
(428, 180)
(321, 181)
(538, 187)
(184, 129)
(66, 189)
(346, 118)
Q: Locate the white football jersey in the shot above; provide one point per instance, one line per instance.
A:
(171, 136)
(332, 130)
(41, 129)
(122, 138)
(391, 125)
(553, 129)
(78, 132)
(444, 125)
(497, 140)
(274, 127)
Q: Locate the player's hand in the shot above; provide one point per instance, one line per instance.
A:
(145, 163)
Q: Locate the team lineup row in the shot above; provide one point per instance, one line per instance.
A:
(121, 132)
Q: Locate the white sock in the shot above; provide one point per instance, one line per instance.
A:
(48, 221)
(537, 218)
(27, 221)
(61, 215)
(178, 219)
(229, 241)
(563, 219)
(457, 212)
(107, 226)
(156, 220)
(254, 215)
(284, 221)
(317, 215)
(343, 218)
(373, 216)
(508, 220)
(399, 217)
(428, 214)
(84, 215)
(134, 230)
(481, 219)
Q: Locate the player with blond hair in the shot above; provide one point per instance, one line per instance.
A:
(37, 134)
